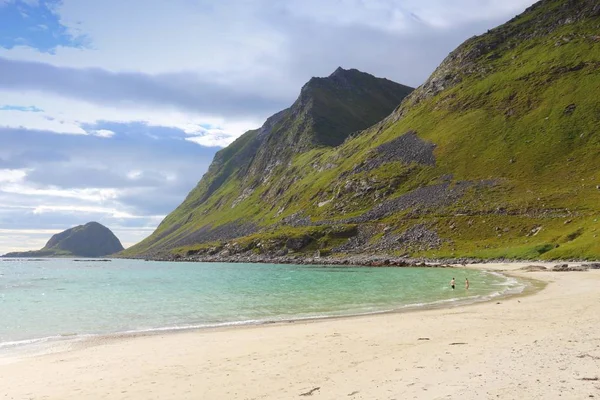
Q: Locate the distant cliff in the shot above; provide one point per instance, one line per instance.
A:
(89, 240)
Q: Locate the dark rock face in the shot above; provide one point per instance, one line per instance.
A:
(408, 148)
(418, 237)
(89, 240)
(424, 198)
(297, 243)
(205, 234)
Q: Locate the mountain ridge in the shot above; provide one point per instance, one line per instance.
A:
(327, 111)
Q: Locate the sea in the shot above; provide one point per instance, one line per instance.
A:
(48, 300)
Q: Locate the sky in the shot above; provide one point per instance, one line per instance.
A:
(112, 110)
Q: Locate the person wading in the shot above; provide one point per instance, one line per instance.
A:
(452, 283)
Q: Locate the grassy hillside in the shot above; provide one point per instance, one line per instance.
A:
(496, 155)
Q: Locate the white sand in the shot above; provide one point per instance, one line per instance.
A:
(542, 346)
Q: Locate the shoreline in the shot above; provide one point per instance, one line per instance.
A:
(50, 344)
(543, 345)
(356, 260)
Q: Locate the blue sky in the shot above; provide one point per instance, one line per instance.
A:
(112, 110)
(36, 23)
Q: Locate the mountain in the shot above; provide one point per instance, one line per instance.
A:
(89, 240)
(496, 155)
(258, 167)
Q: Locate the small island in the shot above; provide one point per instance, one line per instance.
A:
(89, 240)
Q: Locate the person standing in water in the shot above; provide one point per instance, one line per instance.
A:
(452, 283)
(466, 283)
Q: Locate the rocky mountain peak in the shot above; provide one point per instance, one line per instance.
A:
(343, 79)
(341, 74)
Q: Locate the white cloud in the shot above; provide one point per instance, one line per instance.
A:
(210, 137)
(403, 16)
(66, 116)
(105, 133)
(378, 14)
(12, 175)
(38, 121)
(134, 174)
(89, 194)
(107, 211)
(224, 37)
(446, 15)
(246, 44)
(28, 231)
(212, 140)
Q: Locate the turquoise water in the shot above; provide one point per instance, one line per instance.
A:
(58, 298)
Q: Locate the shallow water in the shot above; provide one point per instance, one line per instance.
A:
(64, 298)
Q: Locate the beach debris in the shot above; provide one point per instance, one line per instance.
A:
(423, 338)
(310, 392)
(594, 379)
(533, 268)
(567, 268)
(353, 393)
(457, 343)
(561, 267)
(588, 355)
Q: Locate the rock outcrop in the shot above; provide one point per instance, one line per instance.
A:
(89, 240)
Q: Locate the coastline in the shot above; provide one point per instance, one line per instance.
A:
(355, 260)
(544, 345)
(62, 342)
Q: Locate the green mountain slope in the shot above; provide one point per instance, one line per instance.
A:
(256, 165)
(89, 240)
(496, 155)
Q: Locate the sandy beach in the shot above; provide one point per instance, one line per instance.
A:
(541, 346)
